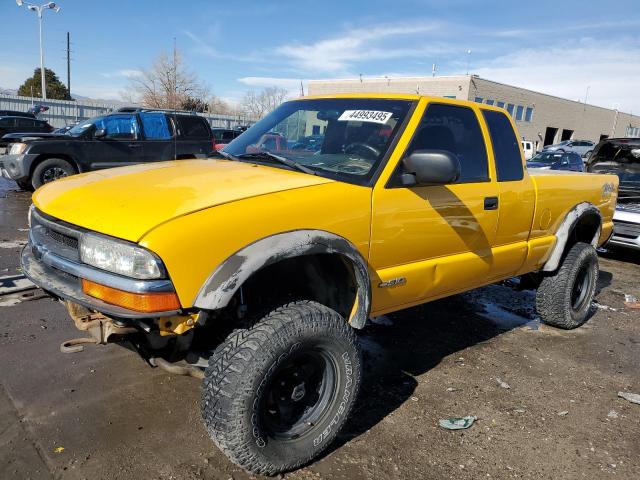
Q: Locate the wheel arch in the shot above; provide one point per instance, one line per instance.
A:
(583, 223)
(46, 156)
(225, 281)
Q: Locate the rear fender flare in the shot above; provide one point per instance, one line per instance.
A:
(226, 279)
(564, 231)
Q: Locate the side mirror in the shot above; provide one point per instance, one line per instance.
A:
(430, 167)
(100, 133)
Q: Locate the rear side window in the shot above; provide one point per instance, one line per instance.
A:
(155, 126)
(505, 147)
(455, 129)
(193, 126)
(119, 127)
(25, 122)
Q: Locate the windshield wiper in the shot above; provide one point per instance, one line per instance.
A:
(284, 160)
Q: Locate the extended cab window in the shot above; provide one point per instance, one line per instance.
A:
(7, 122)
(455, 129)
(155, 126)
(119, 127)
(505, 146)
(25, 122)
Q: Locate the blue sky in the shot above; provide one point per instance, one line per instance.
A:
(558, 47)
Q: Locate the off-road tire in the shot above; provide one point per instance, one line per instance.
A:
(557, 301)
(46, 170)
(246, 369)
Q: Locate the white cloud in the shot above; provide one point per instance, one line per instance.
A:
(611, 70)
(287, 83)
(126, 73)
(337, 54)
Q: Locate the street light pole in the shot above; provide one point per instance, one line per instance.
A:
(38, 10)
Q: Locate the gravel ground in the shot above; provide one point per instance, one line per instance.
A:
(545, 400)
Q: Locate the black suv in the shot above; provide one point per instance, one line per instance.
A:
(16, 113)
(23, 124)
(121, 138)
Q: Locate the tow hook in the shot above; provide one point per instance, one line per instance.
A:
(76, 345)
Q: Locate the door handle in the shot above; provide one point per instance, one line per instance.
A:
(491, 203)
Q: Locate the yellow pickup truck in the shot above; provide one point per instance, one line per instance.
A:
(253, 270)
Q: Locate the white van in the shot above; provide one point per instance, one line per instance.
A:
(528, 149)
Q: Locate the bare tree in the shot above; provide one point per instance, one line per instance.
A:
(167, 84)
(257, 105)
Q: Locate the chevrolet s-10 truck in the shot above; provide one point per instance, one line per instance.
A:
(255, 269)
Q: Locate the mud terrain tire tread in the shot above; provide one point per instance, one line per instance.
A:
(237, 371)
(553, 298)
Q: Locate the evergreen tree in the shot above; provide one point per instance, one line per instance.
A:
(56, 90)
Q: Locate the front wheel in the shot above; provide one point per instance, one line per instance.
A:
(275, 395)
(564, 299)
(49, 170)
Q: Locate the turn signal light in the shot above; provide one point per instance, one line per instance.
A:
(140, 302)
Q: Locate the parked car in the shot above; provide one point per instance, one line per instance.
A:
(23, 124)
(622, 157)
(581, 147)
(527, 149)
(114, 140)
(15, 113)
(256, 269)
(224, 136)
(557, 161)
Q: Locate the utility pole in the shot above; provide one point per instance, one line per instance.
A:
(68, 63)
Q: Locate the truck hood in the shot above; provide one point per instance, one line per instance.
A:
(127, 202)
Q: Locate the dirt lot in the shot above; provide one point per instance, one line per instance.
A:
(104, 414)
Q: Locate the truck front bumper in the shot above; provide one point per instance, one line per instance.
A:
(50, 260)
(17, 167)
(626, 229)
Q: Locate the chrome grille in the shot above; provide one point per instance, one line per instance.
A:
(626, 229)
(54, 236)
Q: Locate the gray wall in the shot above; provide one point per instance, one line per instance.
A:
(63, 112)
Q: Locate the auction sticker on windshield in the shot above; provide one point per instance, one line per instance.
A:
(375, 116)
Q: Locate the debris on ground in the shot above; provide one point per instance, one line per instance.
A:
(563, 413)
(457, 423)
(631, 302)
(612, 414)
(503, 384)
(599, 306)
(13, 244)
(631, 397)
(58, 450)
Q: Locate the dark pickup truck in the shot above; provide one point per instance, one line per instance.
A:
(113, 140)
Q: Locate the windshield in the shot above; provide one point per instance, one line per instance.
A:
(549, 158)
(621, 159)
(82, 127)
(339, 138)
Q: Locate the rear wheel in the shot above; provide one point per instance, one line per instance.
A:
(564, 298)
(275, 395)
(49, 170)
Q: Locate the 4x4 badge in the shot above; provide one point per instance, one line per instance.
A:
(393, 282)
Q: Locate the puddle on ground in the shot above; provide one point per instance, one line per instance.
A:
(505, 307)
(13, 244)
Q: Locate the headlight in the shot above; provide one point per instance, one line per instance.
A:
(119, 257)
(17, 148)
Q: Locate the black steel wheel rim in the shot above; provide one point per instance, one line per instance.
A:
(53, 173)
(581, 288)
(299, 395)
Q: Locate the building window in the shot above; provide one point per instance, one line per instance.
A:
(519, 112)
(500, 104)
(510, 108)
(489, 102)
(633, 131)
(478, 100)
(528, 115)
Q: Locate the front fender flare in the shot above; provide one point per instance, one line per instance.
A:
(564, 231)
(226, 279)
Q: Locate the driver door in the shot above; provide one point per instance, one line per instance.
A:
(122, 144)
(430, 241)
